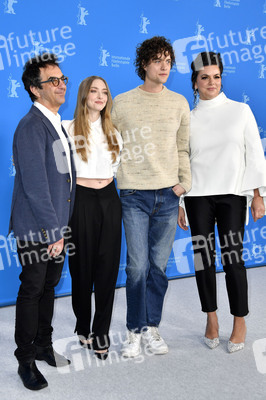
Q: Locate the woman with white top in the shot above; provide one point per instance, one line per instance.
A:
(228, 173)
(96, 220)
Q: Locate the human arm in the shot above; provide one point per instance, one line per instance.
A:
(257, 206)
(184, 172)
(178, 190)
(37, 174)
(118, 157)
(255, 164)
(181, 220)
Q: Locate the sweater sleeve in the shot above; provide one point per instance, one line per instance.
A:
(184, 171)
(255, 169)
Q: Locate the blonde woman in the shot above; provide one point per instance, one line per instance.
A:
(96, 220)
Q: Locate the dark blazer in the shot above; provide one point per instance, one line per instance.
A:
(42, 202)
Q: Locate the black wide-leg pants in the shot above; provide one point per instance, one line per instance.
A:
(96, 234)
(229, 212)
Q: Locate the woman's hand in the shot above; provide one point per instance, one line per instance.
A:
(181, 220)
(178, 190)
(257, 206)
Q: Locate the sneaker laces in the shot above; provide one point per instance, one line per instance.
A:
(132, 337)
(155, 333)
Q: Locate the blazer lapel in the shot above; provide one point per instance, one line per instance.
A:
(71, 154)
(59, 150)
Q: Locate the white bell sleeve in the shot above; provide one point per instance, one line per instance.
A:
(255, 168)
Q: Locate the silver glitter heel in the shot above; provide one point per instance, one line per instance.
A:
(233, 347)
(211, 343)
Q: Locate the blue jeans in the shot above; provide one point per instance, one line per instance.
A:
(150, 221)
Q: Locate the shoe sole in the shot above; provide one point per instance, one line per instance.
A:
(44, 385)
(157, 352)
(126, 355)
(35, 389)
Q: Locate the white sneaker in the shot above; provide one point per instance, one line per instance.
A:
(153, 341)
(132, 346)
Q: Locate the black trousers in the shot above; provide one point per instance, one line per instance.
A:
(96, 233)
(35, 302)
(229, 212)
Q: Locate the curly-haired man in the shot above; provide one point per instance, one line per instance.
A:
(154, 172)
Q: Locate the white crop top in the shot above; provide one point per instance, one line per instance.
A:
(99, 164)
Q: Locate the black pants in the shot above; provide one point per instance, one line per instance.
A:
(35, 301)
(96, 233)
(229, 212)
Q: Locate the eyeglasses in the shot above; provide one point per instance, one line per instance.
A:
(55, 81)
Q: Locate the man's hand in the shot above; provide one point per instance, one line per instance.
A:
(178, 190)
(56, 248)
(181, 220)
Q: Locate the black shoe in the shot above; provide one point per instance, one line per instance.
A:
(31, 377)
(49, 355)
(101, 356)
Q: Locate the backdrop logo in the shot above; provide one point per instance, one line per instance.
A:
(186, 50)
(199, 30)
(82, 13)
(12, 242)
(18, 49)
(261, 71)
(37, 47)
(9, 9)
(217, 3)
(250, 35)
(103, 57)
(143, 24)
(8, 253)
(245, 97)
(235, 47)
(12, 87)
(116, 61)
(183, 254)
(226, 3)
(264, 7)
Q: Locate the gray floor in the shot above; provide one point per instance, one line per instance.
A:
(189, 371)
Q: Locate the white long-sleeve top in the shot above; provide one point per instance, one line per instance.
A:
(99, 164)
(226, 152)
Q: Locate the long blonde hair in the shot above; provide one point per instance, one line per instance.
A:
(81, 121)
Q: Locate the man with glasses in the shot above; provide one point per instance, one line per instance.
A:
(41, 207)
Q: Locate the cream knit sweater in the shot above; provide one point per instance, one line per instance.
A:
(155, 132)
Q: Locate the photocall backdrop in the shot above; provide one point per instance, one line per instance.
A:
(99, 38)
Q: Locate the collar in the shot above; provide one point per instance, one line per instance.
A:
(48, 113)
(96, 123)
(151, 94)
(218, 100)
